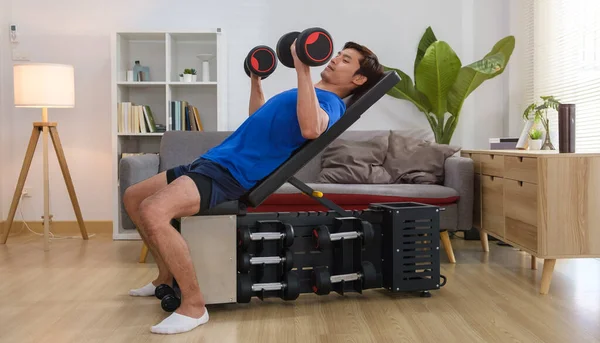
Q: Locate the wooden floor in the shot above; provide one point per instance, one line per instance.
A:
(77, 292)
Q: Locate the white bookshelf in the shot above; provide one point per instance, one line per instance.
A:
(166, 54)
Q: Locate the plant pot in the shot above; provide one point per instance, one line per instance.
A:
(194, 78)
(535, 144)
(187, 77)
(181, 79)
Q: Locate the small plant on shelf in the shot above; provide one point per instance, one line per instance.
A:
(181, 77)
(189, 75)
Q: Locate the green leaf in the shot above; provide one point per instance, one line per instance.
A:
(406, 90)
(436, 74)
(427, 39)
(472, 76)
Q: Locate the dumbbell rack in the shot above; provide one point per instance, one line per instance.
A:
(404, 249)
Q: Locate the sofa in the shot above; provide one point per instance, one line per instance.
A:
(356, 169)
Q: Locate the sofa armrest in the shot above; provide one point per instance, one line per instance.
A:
(133, 169)
(459, 175)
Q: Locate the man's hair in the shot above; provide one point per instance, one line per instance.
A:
(369, 67)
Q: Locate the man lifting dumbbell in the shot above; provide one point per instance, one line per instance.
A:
(272, 132)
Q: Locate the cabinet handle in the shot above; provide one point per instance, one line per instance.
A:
(520, 158)
(520, 183)
(491, 157)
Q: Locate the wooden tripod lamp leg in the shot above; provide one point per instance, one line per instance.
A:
(67, 176)
(35, 135)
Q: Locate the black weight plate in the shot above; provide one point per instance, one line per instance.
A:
(244, 237)
(162, 290)
(314, 46)
(170, 303)
(321, 281)
(289, 234)
(284, 53)
(369, 278)
(289, 260)
(291, 291)
(368, 233)
(322, 238)
(261, 61)
(244, 288)
(244, 264)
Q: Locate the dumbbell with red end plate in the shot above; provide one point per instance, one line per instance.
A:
(246, 261)
(314, 47)
(260, 61)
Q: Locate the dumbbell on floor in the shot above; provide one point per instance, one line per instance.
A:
(170, 298)
(314, 47)
(245, 237)
(322, 238)
(322, 280)
(288, 289)
(260, 61)
(246, 261)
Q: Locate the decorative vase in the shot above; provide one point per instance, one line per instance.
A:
(547, 141)
(181, 79)
(535, 144)
(566, 128)
(187, 77)
(205, 71)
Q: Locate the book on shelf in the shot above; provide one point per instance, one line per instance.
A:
(133, 118)
(184, 117)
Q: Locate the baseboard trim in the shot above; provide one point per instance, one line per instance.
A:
(58, 227)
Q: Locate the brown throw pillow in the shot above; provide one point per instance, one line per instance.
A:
(413, 160)
(350, 161)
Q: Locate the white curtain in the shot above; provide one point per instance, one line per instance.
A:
(560, 55)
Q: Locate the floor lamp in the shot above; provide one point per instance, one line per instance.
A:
(44, 85)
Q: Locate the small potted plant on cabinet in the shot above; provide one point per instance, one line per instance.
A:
(181, 77)
(189, 75)
(535, 139)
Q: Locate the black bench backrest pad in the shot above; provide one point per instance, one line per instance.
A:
(267, 186)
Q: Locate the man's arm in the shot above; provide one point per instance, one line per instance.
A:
(312, 118)
(257, 98)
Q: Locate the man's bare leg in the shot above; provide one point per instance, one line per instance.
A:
(132, 199)
(179, 199)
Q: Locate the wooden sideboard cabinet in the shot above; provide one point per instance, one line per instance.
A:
(545, 203)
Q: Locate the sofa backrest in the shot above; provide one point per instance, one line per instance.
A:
(181, 147)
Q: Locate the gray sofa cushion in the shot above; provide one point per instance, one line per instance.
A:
(413, 160)
(348, 161)
(181, 147)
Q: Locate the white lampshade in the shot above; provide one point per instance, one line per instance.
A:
(44, 85)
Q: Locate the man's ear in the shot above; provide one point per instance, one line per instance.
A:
(359, 79)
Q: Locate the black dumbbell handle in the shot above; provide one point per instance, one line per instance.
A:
(345, 235)
(273, 286)
(269, 236)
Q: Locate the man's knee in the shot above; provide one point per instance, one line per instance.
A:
(152, 216)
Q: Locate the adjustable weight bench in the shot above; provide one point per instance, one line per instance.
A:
(238, 255)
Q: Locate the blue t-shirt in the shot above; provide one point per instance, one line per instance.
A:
(269, 136)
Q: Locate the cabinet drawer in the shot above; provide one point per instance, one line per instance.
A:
(492, 164)
(520, 213)
(521, 168)
(475, 158)
(492, 204)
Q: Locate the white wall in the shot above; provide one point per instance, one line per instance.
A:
(5, 86)
(470, 29)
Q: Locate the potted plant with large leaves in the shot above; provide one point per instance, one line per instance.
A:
(442, 84)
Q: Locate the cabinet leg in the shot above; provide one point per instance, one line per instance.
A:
(483, 237)
(445, 238)
(547, 275)
(533, 263)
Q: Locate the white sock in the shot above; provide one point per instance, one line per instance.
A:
(178, 323)
(145, 291)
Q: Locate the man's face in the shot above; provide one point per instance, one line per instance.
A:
(342, 68)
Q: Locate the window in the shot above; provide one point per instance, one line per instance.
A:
(564, 61)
